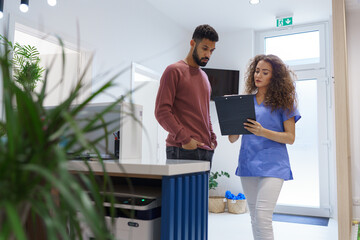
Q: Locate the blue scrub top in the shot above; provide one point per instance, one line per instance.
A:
(262, 157)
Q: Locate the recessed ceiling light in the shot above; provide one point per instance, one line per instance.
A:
(253, 2)
(1, 8)
(24, 6)
(52, 2)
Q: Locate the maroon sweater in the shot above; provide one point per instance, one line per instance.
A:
(182, 105)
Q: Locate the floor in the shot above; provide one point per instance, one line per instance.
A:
(237, 227)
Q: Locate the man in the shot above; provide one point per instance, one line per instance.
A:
(182, 103)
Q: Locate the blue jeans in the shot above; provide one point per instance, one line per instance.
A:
(196, 154)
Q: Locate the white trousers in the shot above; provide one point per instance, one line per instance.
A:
(262, 194)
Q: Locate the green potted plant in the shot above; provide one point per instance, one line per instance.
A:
(25, 62)
(213, 179)
(34, 180)
(216, 203)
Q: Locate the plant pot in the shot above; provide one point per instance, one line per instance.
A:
(217, 204)
(236, 206)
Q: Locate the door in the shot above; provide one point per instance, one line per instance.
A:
(145, 84)
(304, 50)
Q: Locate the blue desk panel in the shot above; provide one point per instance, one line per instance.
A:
(184, 211)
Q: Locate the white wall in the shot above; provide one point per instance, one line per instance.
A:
(233, 51)
(353, 38)
(128, 31)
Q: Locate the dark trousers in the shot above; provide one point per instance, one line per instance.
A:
(196, 154)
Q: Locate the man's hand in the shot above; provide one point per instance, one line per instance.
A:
(193, 144)
(212, 146)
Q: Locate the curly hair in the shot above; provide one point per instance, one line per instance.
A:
(281, 92)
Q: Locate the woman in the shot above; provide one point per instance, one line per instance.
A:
(263, 161)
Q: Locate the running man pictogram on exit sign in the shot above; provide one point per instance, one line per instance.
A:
(285, 21)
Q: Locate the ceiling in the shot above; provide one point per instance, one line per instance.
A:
(234, 15)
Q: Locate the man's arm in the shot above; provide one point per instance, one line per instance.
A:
(164, 103)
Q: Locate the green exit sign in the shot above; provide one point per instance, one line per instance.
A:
(282, 22)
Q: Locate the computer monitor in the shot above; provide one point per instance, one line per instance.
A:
(124, 124)
(222, 81)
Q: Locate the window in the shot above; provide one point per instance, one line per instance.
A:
(302, 48)
(295, 49)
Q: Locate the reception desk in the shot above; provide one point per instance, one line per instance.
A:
(184, 192)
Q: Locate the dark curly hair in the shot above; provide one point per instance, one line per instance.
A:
(205, 31)
(281, 92)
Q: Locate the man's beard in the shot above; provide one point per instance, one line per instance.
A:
(197, 59)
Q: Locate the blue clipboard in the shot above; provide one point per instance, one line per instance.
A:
(233, 111)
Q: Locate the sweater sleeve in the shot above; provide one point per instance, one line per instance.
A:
(164, 104)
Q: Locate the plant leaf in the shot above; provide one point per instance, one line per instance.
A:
(15, 221)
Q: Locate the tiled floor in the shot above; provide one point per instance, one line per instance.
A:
(237, 227)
